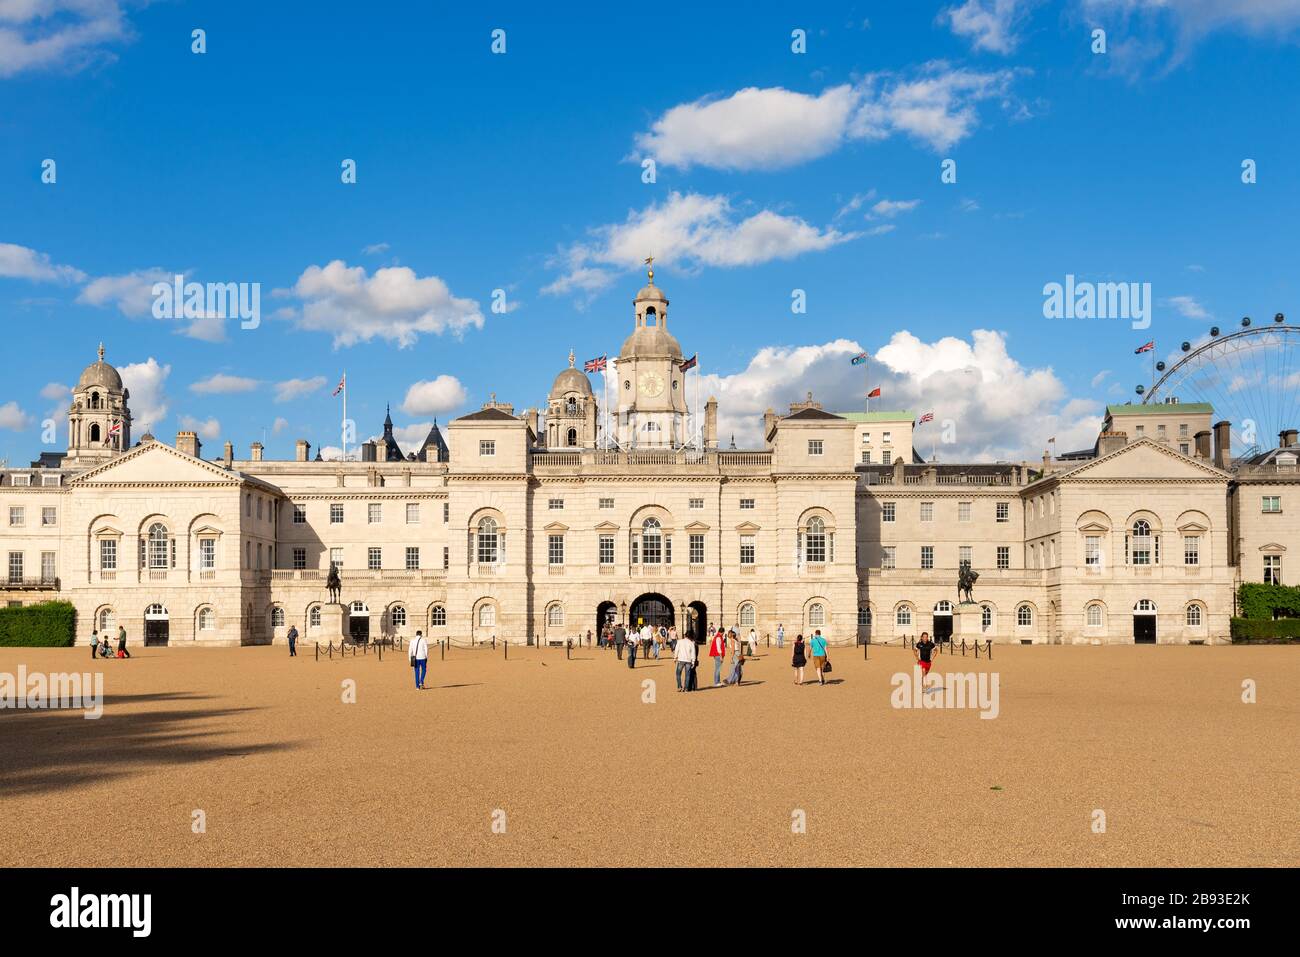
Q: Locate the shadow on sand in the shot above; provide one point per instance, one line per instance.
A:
(45, 751)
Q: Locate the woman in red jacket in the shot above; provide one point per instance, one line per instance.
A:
(717, 651)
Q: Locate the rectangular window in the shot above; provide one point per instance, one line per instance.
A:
(50, 479)
(815, 446)
(747, 503)
(412, 513)
(21, 481)
(607, 549)
(374, 513)
(107, 555)
(1182, 430)
(746, 549)
(1004, 511)
(1272, 569)
(887, 556)
(1192, 550)
(1004, 556)
(1141, 431)
(336, 556)
(207, 553)
(697, 503)
(1092, 550)
(446, 512)
(555, 549)
(47, 567)
(17, 516)
(927, 556)
(300, 558)
(606, 503)
(299, 514)
(259, 509)
(963, 511)
(866, 458)
(412, 558)
(1271, 503)
(487, 447)
(1183, 448)
(15, 568)
(927, 511)
(697, 549)
(1140, 550)
(555, 504)
(1160, 431)
(336, 513)
(866, 438)
(652, 549)
(885, 438)
(887, 512)
(446, 558)
(49, 516)
(965, 553)
(374, 558)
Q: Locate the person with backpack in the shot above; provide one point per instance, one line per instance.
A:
(685, 656)
(818, 648)
(419, 657)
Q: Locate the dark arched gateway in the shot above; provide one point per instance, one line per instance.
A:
(697, 624)
(606, 614)
(651, 609)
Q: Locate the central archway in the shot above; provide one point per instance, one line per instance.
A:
(698, 623)
(651, 609)
(606, 614)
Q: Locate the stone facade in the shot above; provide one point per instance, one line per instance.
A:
(524, 530)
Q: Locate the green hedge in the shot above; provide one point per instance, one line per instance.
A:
(1255, 629)
(49, 624)
(1257, 600)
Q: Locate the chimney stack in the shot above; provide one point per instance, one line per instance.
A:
(256, 452)
(1287, 438)
(188, 442)
(369, 453)
(1110, 442)
(1203, 444)
(229, 455)
(711, 423)
(769, 420)
(1223, 445)
(302, 451)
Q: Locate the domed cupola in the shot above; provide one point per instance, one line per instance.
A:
(650, 337)
(652, 410)
(99, 421)
(571, 410)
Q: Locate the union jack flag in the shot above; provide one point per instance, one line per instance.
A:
(928, 417)
(874, 394)
(690, 363)
(857, 360)
(115, 429)
(1146, 348)
(595, 365)
(343, 382)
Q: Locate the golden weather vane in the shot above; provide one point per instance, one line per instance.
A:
(650, 261)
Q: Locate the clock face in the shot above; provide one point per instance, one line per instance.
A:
(651, 385)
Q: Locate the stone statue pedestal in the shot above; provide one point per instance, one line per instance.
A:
(968, 622)
(333, 622)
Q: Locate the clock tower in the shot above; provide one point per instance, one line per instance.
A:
(652, 410)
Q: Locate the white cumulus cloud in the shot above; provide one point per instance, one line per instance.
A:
(434, 397)
(291, 389)
(146, 381)
(14, 418)
(64, 34)
(221, 384)
(208, 429)
(20, 262)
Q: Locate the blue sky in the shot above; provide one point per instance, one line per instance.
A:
(775, 171)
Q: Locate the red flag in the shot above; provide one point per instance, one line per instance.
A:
(1146, 348)
(690, 363)
(928, 417)
(874, 394)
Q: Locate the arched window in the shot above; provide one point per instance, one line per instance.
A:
(487, 616)
(864, 615)
(488, 542)
(1144, 548)
(155, 611)
(277, 617)
(747, 615)
(158, 551)
(1145, 607)
(358, 608)
(573, 437)
(208, 619)
(1024, 616)
(107, 620)
(816, 614)
(94, 400)
(1095, 616)
(1194, 616)
(570, 406)
(438, 617)
(313, 616)
(652, 542)
(397, 616)
(903, 616)
(815, 542)
(943, 607)
(986, 617)
(94, 432)
(555, 615)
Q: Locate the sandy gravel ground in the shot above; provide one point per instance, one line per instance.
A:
(586, 773)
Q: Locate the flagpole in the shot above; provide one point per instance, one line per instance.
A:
(345, 415)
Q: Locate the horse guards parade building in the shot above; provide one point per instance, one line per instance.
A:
(542, 526)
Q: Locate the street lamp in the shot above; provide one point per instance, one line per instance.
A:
(622, 612)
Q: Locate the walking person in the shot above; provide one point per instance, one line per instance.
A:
(685, 655)
(293, 641)
(620, 639)
(632, 641)
(799, 659)
(780, 636)
(121, 644)
(923, 650)
(818, 647)
(717, 651)
(753, 642)
(419, 655)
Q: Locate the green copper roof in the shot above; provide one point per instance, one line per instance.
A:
(903, 416)
(1161, 408)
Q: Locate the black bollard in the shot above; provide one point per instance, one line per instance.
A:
(442, 652)
(505, 654)
(989, 650)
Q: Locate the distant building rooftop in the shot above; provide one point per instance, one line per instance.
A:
(1160, 408)
(902, 416)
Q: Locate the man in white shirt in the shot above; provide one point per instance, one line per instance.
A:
(419, 658)
(753, 642)
(685, 655)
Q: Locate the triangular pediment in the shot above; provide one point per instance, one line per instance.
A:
(746, 527)
(1145, 459)
(697, 526)
(153, 463)
(557, 527)
(108, 531)
(606, 526)
(1272, 547)
(207, 530)
(1094, 527)
(1193, 528)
